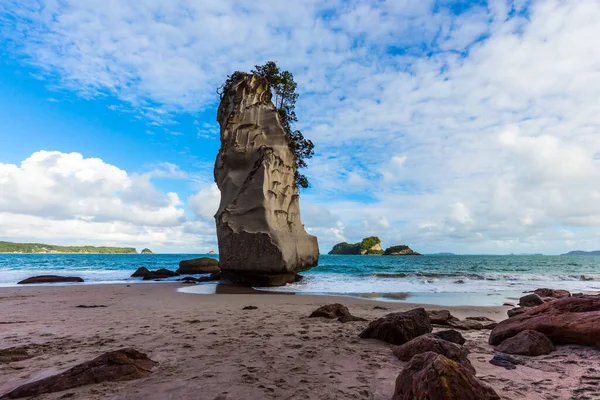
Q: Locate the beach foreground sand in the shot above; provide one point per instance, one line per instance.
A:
(208, 347)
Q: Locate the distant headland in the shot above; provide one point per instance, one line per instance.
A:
(372, 246)
(582, 253)
(39, 248)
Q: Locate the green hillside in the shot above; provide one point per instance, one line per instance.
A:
(33, 248)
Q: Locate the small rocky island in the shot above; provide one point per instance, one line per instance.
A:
(147, 251)
(262, 241)
(372, 246)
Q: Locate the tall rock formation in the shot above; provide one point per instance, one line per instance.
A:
(261, 238)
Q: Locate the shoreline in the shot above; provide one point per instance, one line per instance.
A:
(210, 344)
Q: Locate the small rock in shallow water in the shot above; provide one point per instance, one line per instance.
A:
(50, 279)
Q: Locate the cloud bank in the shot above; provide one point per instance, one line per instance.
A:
(442, 124)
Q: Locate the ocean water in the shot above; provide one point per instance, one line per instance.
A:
(346, 274)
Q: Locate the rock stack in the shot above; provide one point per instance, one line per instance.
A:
(262, 241)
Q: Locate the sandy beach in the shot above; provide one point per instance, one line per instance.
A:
(208, 347)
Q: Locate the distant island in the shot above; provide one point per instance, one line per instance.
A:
(146, 251)
(582, 253)
(372, 246)
(39, 248)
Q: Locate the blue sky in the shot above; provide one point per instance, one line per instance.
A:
(446, 125)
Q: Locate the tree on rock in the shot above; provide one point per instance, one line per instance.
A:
(284, 88)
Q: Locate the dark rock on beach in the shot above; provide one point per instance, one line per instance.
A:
(399, 328)
(204, 265)
(425, 343)
(148, 275)
(50, 279)
(530, 300)
(527, 343)
(335, 310)
(13, 354)
(215, 276)
(140, 272)
(120, 365)
(451, 335)
(504, 361)
(439, 317)
(431, 376)
(570, 320)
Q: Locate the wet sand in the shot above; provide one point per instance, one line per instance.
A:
(208, 347)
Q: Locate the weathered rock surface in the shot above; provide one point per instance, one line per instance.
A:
(258, 220)
(428, 342)
(516, 311)
(571, 320)
(50, 279)
(120, 365)
(399, 328)
(553, 293)
(204, 265)
(451, 335)
(530, 300)
(527, 343)
(335, 310)
(431, 376)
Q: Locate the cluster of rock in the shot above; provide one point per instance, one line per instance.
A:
(204, 265)
(438, 365)
(262, 241)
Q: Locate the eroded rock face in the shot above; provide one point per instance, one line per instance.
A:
(119, 365)
(258, 221)
(570, 320)
(431, 376)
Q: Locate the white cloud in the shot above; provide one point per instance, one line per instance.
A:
(206, 202)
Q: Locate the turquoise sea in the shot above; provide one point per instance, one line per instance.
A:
(384, 277)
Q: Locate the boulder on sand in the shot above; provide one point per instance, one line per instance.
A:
(262, 241)
(335, 310)
(450, 335)
(120, 365)
(428, 342)
(148, 275)
(570, 320)
(527, 343)
(430, 376)
(50, 279)
(399, 328)
(204, 265)
(439, 317)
